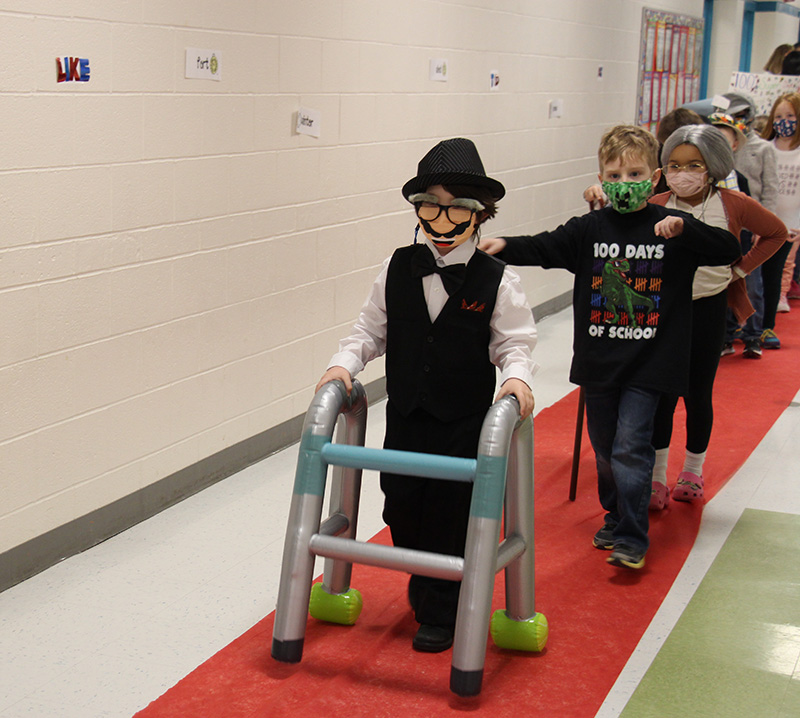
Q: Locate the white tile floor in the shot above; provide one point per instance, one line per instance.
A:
(766, 481)
(106, 632)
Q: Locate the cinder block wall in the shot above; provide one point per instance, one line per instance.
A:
(177, 264)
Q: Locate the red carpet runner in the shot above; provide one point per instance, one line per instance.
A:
(596, 613)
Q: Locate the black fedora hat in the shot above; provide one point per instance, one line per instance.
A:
(452, 162)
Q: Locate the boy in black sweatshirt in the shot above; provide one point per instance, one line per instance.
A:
(632, 301)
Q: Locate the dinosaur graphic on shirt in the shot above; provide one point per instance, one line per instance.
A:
(618, 294)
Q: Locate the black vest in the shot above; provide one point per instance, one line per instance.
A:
(442, 367)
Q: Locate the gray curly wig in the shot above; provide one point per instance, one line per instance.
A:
(711, 143)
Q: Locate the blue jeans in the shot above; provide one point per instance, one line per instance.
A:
(752, 328)
(620, 424)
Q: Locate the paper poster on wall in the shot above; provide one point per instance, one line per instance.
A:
(660, 40)
(675, 51)
(764, 88)
(670, 48)
(672, 101)
(648, 81)
(650, 59)
(690, 56)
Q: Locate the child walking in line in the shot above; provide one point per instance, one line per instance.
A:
(776, 274)
(446, 316)
(695, 159)
(702, 159)
(755, 159)
(633, 264)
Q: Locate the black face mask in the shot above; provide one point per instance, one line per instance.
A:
(457, 229)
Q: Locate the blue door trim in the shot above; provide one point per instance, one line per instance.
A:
(746, 49)
(708, 22)
(783, 7)
(748, 21)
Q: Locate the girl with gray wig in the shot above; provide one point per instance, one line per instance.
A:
(713, 146)
(695, 158)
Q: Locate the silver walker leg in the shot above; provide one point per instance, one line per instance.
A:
(520, 573)
(305, 515)
(480, 557)
(345, 496)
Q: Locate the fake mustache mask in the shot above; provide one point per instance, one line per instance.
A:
(451, 235)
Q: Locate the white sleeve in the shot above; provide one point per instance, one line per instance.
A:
(513, 331)
(368, 338)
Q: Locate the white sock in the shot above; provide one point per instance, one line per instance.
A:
(660, 467)
(694, 463)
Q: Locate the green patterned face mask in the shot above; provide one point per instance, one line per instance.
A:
(627, 196)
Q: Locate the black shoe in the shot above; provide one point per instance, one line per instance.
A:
(752, 349)
(626, 556)
(433, 639)
(727, 349)
(604, 538)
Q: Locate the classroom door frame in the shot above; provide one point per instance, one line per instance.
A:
(748, 25)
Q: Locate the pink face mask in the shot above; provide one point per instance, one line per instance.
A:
(687, 184)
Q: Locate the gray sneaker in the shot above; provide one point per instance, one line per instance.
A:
(752, 349)
(604, 538)
(626, 556)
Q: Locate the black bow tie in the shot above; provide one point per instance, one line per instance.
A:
(423, 264)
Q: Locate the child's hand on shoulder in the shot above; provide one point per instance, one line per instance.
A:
(336, 372)
(492, 245)
(669, 227)
(519, 389)
(594, 196)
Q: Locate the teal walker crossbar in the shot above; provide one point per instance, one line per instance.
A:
(505, 455)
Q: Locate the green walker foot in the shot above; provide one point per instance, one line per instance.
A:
(343, 608)
(529, 635)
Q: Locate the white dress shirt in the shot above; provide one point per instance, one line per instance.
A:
(512, 327)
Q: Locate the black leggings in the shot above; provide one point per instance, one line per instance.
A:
(708, 336)
(771, 275)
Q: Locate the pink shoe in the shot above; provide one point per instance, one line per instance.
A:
(659, 496)
(688, 488)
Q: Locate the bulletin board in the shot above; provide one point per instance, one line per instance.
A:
(671, 63)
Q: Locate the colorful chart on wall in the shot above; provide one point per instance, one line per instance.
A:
(671, 62)
(763, 87)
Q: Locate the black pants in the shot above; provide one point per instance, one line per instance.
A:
(771, 275)
(708, 336)
(430, 514)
